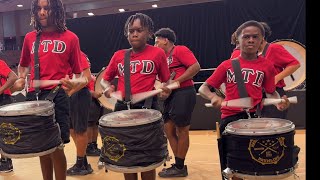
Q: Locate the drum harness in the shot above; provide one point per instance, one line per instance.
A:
(55, 90)
(241, 87)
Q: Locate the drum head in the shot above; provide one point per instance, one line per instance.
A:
(298, 51)
(108, 103)
(27, 108)
(260, 126)
(133, 117)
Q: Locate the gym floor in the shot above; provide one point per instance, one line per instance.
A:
(202, 161)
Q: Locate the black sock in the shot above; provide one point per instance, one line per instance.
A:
(179, 163)
(85, 160)
(80, 161)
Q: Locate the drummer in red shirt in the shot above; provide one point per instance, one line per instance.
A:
(147, 62)
(7, 79)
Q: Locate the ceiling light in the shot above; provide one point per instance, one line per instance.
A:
(122, 10)
(90, 14)
(20, 5)
(154, 5)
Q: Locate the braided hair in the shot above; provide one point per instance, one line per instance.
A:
(267, 30)
(56, 13)
(145, 21)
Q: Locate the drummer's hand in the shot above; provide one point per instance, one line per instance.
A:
(216, 101)
(165, 93)
(67, 85)
(96, 94)
(109, 91)
(283, 105)
(18, 85)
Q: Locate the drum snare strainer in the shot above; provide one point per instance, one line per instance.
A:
(259, 148)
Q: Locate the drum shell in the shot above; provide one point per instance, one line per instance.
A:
(140, 145)
(28, 134)
(243, 153)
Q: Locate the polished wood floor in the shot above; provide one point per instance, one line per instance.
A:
(202, 160)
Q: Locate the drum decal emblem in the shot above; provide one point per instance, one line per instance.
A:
(267, 151)
(9, 133)
(112, 148)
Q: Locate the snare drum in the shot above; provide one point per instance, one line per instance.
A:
(133, 140)
(257, 148)
(28, 129)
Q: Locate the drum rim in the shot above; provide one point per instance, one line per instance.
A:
(258, 132)
(291, 40)
(289, 173)
(49, 108)
(131, 122)
(133, 169)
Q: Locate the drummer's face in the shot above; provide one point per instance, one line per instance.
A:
(137, 34)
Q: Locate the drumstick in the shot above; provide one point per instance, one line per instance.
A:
(240, 103)
(270, 101)
(44, 83)
(117, 95)
(144, 95)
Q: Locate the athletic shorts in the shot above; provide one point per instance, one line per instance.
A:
(95, 112)
(61, 110)
(5, 99)
(178, 107)
(79, 110)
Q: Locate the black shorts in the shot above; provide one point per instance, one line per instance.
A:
(272, 111)
(95, 112)
(178, 107)
(79, 110)
(5, 99)
(61, 110)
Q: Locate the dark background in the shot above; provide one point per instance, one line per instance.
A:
(206, 29)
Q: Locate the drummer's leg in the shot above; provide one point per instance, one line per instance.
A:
(46, 167)
(149, 175)
(60, 164)
(130, 176)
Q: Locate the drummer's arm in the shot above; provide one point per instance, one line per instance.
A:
(12, 77)
(206, 93)
(77, 86)
(21, 81)
(286, 72)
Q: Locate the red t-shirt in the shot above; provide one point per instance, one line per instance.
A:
(57, 52)
(4, 73)
(257, 74)
(235, 53)
(281, 58)
(90, 84)
(144, 67)
(84, 63)
(182, 58)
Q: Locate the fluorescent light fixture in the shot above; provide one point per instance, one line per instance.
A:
(90, 14)
(20, 5)
(154, 5)
(122, 10)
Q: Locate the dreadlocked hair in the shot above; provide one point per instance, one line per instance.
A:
(267, 29)
(56, 13)
(145, 21)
